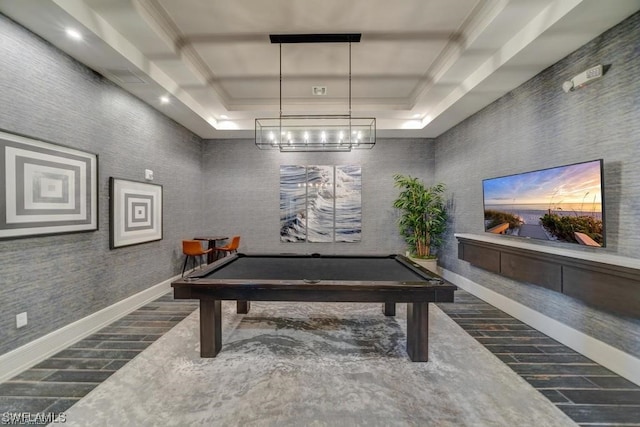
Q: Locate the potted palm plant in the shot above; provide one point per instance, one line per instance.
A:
(423, 219)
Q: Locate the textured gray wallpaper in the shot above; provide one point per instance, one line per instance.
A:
(538, 126)
(243, 192)
(231, 187)
(60, 279)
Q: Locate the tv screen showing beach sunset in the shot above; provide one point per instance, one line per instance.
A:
(562, 204)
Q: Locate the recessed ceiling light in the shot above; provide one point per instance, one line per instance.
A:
(416, 115)
(73, 33)
(164, 99)
(224, 116)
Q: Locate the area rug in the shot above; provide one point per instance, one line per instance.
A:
(315, 364)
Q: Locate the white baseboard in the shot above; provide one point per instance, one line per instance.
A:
(610, 357)
(22, 358)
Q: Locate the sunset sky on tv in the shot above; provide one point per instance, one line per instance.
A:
(578, 183)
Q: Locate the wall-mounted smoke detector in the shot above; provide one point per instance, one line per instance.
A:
(319, 90)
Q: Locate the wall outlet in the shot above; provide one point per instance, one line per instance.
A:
(21, 319)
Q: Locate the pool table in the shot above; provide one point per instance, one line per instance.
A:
(387, 279)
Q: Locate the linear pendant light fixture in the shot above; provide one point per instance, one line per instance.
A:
(315, 132)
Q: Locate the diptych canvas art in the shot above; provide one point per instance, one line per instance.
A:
(320, 203)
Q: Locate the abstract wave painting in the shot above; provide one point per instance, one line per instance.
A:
(320, 203)
(348, 203)
(293, 203)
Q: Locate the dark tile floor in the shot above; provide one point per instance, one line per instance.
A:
(588, 393)
(55, 384)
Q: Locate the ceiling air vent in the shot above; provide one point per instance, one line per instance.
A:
(319, 90)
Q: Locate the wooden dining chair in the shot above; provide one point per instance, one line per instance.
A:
(232, 247)
(193, 249)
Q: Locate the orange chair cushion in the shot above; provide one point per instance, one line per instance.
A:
(233, 246)
(193, 248)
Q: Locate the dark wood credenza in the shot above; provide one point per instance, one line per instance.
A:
(608, 282)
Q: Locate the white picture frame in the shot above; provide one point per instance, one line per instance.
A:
(135, 210)
(46, 188)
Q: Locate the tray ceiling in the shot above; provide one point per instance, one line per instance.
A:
(421, 67)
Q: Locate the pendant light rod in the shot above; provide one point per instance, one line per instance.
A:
(349, 78)
(315, 132)
(281, 79)
(313, 38)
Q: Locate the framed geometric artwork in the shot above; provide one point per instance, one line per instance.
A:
(46, 188)
(135, 212)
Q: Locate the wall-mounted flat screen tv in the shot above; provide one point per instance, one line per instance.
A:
(563, 203)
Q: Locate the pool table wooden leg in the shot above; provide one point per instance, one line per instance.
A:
(210, 327)
(242, 307)
(418, 331)
(389, 309)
